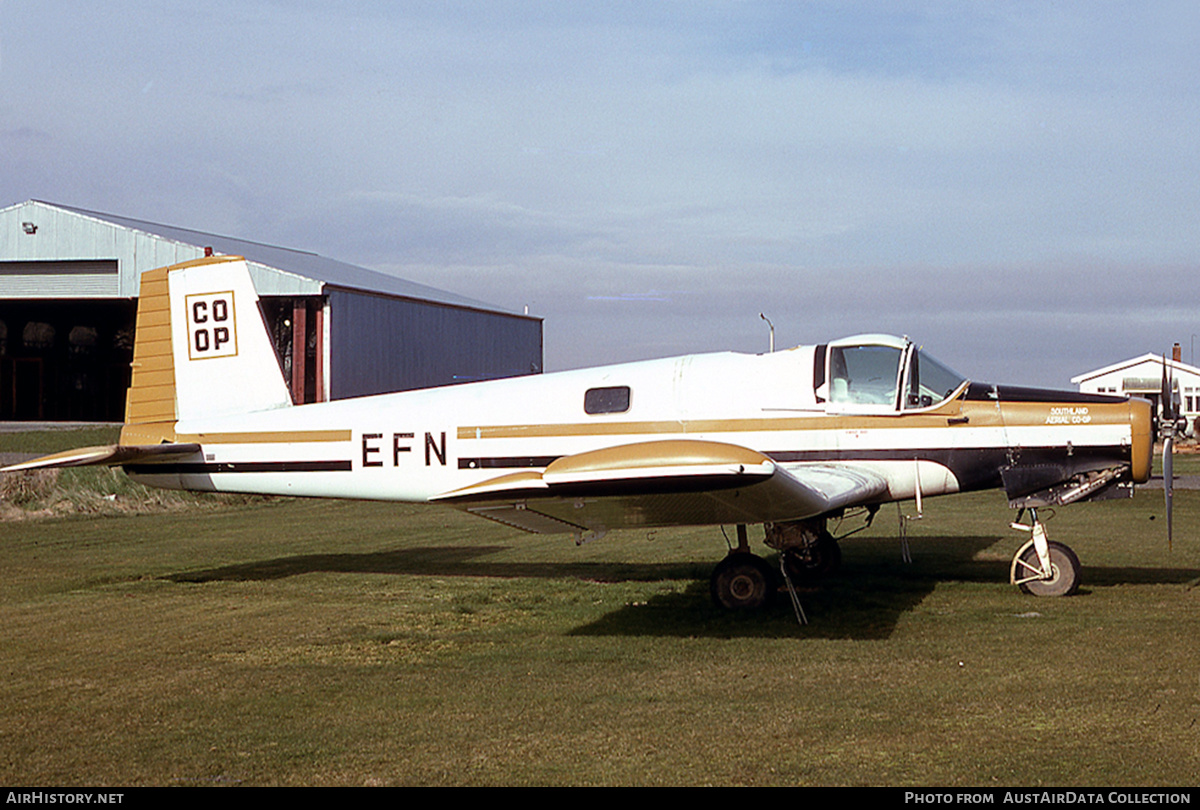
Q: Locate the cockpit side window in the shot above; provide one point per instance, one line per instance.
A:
(929, 382)
(864, 375)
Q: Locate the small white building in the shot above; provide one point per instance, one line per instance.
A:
(1142, 377)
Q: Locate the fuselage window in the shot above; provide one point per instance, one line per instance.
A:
(606, 400)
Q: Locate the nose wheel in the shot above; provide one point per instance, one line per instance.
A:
(1042, 567)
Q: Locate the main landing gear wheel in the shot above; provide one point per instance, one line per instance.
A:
(743, 581)
(1064, 571)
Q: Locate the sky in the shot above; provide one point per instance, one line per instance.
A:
(1015, 186)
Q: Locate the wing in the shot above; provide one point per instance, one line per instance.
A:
(664, 483)
(110, 454)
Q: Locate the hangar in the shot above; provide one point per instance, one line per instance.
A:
(69, 281)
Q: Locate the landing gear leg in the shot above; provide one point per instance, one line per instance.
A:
(743, 546)
(744, 581)
(1042, 567)
(807, 549)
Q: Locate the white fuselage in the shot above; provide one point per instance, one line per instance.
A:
(415, 445)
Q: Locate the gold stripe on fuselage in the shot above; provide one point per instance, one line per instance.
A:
(979, 414)
(267, 437)
(157, 432)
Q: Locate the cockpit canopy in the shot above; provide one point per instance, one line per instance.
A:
(881, 373)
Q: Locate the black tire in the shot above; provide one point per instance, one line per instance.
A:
(743, 582)
(813, 562)
(1064, 564)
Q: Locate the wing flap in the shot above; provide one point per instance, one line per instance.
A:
(521, 517)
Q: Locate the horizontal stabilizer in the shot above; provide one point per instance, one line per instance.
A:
(109, 454)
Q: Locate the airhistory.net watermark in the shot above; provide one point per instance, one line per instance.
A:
(55, 797)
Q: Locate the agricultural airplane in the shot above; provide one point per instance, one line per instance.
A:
(789, 440)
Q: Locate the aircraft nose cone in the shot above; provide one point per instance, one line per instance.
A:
(1143, 440)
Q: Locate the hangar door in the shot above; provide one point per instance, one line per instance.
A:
(65, 360)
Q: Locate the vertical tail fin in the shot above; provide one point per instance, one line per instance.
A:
(201, 349)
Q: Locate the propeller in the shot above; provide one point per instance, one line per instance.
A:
(1168, 427)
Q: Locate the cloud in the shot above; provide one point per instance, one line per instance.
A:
(1003, 181)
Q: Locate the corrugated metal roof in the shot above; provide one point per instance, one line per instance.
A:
(289, 261)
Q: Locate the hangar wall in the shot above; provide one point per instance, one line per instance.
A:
(49, 239)
(470, 344)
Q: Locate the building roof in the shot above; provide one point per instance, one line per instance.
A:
(288, 261)
(1156, 359)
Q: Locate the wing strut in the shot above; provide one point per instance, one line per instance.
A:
(801, 616)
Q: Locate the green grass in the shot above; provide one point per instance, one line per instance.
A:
(329, 643)
(1185, 463)
(52, 441)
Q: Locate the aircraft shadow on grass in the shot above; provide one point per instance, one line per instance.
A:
(862, 601)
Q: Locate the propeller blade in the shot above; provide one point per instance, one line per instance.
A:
(1168, 400)
(1169, 482)
(1167, 428)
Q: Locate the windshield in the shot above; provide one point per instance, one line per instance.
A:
(930, 382)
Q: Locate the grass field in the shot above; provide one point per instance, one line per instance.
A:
(320, 643)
